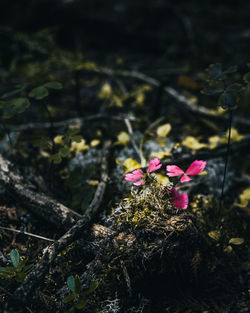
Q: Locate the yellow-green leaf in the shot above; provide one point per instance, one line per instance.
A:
(236, 241)
(164, 180)
(193, 143)
(228, 249)
(214, 141)
(235, 136)
(244, 198)
(130, 165)
(163, 130)
(94, 143)
(161, 154)
(105, 91)
(59, 140)
(214, 234)
(123, 138)
(79, 146)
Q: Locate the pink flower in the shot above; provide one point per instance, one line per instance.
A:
(139, 174)
(194, 169)
(179, 201)
(154, 165)
(135, 175)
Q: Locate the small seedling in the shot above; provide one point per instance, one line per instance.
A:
(19, 270)
(80, 297)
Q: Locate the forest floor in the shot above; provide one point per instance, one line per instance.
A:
(91, 95)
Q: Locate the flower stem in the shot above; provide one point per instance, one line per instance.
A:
(226, 158)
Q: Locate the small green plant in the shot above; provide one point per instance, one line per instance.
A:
(16, 101)
(80, 297)
(219, 83)
(18, 270)
(65, 140)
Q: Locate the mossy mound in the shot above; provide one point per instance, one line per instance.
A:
(157, 251)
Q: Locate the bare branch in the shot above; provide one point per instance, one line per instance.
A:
(38, 203)
(73, 122)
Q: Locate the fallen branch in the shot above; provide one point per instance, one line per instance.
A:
(209, 154)
(38, 203)
(73, 122)
(22, 293)
(183, 100)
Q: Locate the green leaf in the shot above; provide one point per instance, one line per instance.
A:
(246, 77)
(92, 287)
(77, 284)
(215, 71)
(53, 85)
(23, 262)
(227, 101)
(236, 241)
(211, 90)
(28, 268)
(15, 257)
(40, 142)
(69, 297)
(72, 131)
(81, 304)
(71, 283)
(20, 277)
(231, 69)
(15, 106)
(63, 152)
(14, 92)
(56, 158)
(76, 138)
(234, 88)
(7, 270)
(39, 93)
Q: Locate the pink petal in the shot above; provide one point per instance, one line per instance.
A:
(174, 170)
(154, 165)
(174, 193)
(185, 178)
(181, 201)
(136, 174)
(196, 167)
(139, 182)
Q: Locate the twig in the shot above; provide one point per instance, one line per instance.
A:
(73, 122)
(26, 233)
(131, 135)
(34, 277)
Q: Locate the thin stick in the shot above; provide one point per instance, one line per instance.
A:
(131, 135)
(226, 158)
(26, 233)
